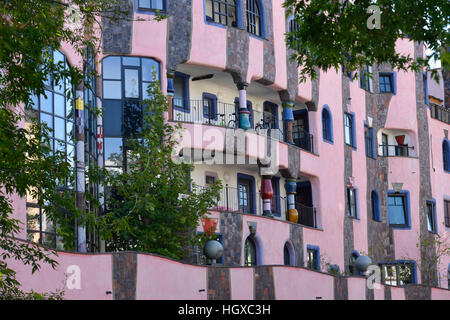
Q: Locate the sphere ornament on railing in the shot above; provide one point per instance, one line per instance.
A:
(213, 250)
(362, 263)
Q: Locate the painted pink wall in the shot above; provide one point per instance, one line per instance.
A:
(242, 283)
(356, 288)
(163, 279)
(397, 293)
(301, 284)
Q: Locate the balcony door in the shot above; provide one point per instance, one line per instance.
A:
(300, 130)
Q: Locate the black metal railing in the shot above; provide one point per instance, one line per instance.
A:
(304, 140)
(266, 123)
(307, 216)
(230, 202)
(440, 113)
(395, 150)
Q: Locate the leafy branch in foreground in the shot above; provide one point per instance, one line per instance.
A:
(331, 34)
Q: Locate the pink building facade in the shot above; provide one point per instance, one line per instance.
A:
(363, 162)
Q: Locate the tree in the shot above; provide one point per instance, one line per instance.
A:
(30, 30)
(154, 197)
(330, 34)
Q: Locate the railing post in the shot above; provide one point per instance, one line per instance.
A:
(226, 195)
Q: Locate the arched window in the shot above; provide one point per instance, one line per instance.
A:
(250, 258)
(222, 12)
(446, 155)
(327, 125)
(254, 17)
(288, 254)
(375, 206)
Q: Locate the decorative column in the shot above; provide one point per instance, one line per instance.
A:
(80, 167)
(170, 92)
(288, 119)
(244, 114)
(267, 195)
(291, 190)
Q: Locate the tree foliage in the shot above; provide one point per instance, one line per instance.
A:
(331, 34)
(155, 197)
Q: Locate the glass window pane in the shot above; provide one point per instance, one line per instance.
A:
(34, 102)
(59, 105)
(60, 146)
(46, 103)
(70, 154)
(144, 4)
(158, 4)
(113, 152)
(131, 61)
(47, 119)
(112, 90)
(148, 66)
(33, 218)
(70, 131)
(60, 128)
(131, 83)
(145, 94)
(112, 68)
(396, 215)
(58, 57)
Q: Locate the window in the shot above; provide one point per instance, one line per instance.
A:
(375, 205)
(447, 213)
(351, 202)
(294, 27)
(386, 83)
(222, 12)
(327, 125)
(446, 155)
(365, 80)
(245, 203)
(431, 216)
(425, 88)
(397, 210)
(349, 129)
(56, 110)
(209, 180)
(313, 258)
(398, 273)
(152, 5)
(385, 144)
(253, 17)
(181, 92)
(286, 255)
(250, 257)
(276, 199)
(125, 84)
(370, 141)
(209, 106)
(270, 115)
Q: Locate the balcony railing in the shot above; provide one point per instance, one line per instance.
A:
(307, 216)
(440, 113)
(230, 202)
(395, 150)
(226, 115)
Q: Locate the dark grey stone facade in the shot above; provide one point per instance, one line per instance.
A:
(231, 229)
(263, 283)
(417, 292)
(219, 287)
(269, 48)
(296, 237)
(179, 33)
(117, 35)
(124, 271)
(340, 288)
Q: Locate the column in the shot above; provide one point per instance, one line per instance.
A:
(267, 195)
(80, 174)
(244, 114)
(288, 119)
(291, 190)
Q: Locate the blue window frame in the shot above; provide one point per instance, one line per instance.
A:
(146, 6)
(399, 209)
(388, 82)
(431, 216)
(349, 129)
(313, 257)
(181, 100)
(369, 139)
(246, 193)
(375, 200)
(209, 106)
(446, 155)
(327, 125)
(256, 20)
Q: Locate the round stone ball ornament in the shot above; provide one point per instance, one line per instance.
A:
(362, 263)
(213, 250)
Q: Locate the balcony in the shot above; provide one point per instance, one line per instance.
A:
(440, 113)
(395, 150)
(307, 216)
(226, 115)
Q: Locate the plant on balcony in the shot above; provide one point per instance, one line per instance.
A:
(155, 199)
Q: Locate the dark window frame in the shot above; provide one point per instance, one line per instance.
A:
(447, 213)
(384, 84)
(405, 205)
(397, 266)
(227, 5)
(352, 205)
(313, 257)
(151, 8)
(250, 244)
(254, 18)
